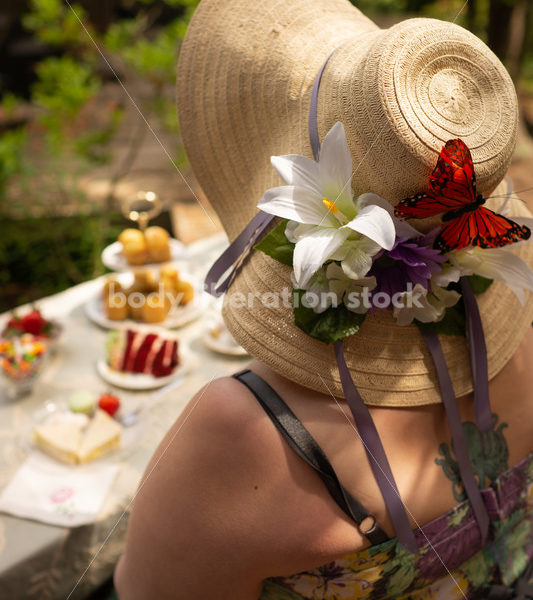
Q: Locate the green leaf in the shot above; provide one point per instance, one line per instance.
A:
(479, 284)
(276, 245)
(453, 322)
(334, 324)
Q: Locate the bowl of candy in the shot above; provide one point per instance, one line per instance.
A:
(21, 361)
(33, 322)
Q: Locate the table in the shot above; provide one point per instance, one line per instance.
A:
(44, 561)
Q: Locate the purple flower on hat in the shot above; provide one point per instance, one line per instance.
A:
(410, 261)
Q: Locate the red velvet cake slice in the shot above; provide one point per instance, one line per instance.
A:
(166, 360)
(140, 352)
(139, 363)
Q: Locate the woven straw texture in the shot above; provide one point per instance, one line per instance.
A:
(245, 75)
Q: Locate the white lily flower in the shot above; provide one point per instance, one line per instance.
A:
(318, 197)
(424, 306)
(496, 263)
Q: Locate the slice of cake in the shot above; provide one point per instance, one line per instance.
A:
(74, 438)
(101, 436)
(60, 436)
(142, 352)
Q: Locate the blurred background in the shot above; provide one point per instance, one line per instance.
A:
(74, 142)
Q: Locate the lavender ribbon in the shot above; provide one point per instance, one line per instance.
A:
(456, 427)
(478, 357)
(313, 107)
(235, 255)
(376, 454)
(237, 252)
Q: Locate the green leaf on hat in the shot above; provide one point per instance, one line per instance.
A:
(479, 284)
(276, 245)
(453, 322)
(333, 324)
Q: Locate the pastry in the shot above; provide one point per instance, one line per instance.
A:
(157, 242)
(150, 297)
(134, 246)
(155, 309)
(185, 292)
(81, 401)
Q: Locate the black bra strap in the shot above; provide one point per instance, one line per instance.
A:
(302, 442)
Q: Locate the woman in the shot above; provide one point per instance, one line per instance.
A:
(239, 502)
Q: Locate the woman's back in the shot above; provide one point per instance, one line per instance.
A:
(451, 564)
(414, 438)
(247, 491)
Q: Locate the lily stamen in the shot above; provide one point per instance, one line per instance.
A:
(331, 206)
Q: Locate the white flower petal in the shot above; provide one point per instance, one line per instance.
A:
(298, 170)
(376, 223)
(312, 251)
(297, 204)
(294, 231)
(442, 298)
(318, 294)
(448, 274)
(335, 166)
(335, 161)
(415, 306)
(357, 263)
(499, 264)
(403, 229)
(368, 199)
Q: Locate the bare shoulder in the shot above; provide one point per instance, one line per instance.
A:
(224, 483)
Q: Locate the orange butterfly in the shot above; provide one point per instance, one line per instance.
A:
(452, 193)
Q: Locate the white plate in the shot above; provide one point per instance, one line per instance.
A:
(141, 381)
(130, 438)
(179, 316)
(113, 258)
(224, 344)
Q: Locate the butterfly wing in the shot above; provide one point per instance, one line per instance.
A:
(452, 185)
(421, 206)
(482, 228)
(454, 178)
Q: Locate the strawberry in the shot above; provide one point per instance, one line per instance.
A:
(33, 322)
(15, 323)
(109, 403)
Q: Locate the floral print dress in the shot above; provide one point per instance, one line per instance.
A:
(451, 564)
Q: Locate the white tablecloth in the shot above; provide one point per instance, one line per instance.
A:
(45, 561)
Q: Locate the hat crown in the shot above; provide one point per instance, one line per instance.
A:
(403, 92)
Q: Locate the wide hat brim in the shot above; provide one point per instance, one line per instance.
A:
(244, 82)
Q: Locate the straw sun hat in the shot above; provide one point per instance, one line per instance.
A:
(245, 76)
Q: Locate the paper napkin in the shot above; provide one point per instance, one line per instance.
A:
(45, 490)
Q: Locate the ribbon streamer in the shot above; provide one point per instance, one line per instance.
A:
(235, 255)
(313, 108)
(478, 357)
(376, 454)
(456, 427)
